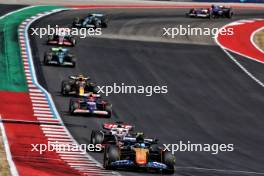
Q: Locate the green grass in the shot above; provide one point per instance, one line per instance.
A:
(12, 77)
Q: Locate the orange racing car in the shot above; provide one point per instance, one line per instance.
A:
(138, 153)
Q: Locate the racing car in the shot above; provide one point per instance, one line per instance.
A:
(201, 12)
(91, 105)
(93, 20)
(78, 86)
(111, 133)
(61, 39)
(139, 153)
(59, 56)
(221, 11)
(215, 12)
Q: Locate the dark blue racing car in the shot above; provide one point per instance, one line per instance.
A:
(213, 12)
(92, 105)
(221, 11)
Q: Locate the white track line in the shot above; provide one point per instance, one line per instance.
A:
(44, 115)
(53, 129)
(37, 98)
(59, 139)
(236, 62)
(38, 108)
(42, 111)
(39, 101)
(52, 126)
(223, 47)
(222, 170)
(40, 105)
(37, 94)
(47, 119)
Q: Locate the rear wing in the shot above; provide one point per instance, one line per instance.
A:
(146, 140)
(75, 77)
(109, 126)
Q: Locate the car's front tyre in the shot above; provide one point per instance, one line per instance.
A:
(111, 154)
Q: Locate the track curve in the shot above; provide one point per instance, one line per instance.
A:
(210, 99)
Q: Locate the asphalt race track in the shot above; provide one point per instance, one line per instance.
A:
(210, 100)
(4, 9)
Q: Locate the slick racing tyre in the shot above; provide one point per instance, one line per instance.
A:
(73, 61)
(73, 41)
(229, 14)
(50, 38)
(111, 154)
(109, 111)
(76, 20)
(65, 88)
(97, 24)
(169, 160)
(73, 106)
(47, 58)
(97, 137)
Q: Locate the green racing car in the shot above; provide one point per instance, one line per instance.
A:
(60, 57)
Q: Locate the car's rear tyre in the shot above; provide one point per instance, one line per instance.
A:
(230, 14)
(73, 60)
(73, 106)
(47, 58)
(104, 25)
(73, 41)
(65, 88)
(109, 111)
(97, 137)
(97, 24)
(50, 38)
(111, 154)
(76, 20)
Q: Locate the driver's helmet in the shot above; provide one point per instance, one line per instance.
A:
(90, 97)
(140, 139)
(142, 145)
(81, 77)
(60, 50)
(213, 6)
(120, 132)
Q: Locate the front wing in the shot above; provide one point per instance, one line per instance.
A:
(199, 15)
(131, 164)
(86, 111)
(56, 42)
(54, 62)
(84, 26)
